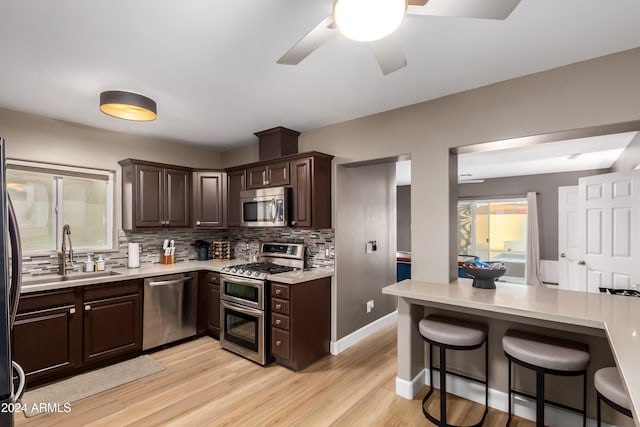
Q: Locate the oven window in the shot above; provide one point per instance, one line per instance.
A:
(248, 293)
(241, 329)
(258, 211)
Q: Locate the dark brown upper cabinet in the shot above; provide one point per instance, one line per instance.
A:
(236, 182)
(155, 195)
(274, 174)
(308, 174)
(209, 199)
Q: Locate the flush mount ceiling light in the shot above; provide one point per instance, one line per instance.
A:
(128, 106)
(368, 20)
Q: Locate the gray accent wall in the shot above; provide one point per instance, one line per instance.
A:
(545, 184)
(367, 199)
(403, 210)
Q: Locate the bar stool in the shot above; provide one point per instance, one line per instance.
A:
(452, 334)
(546, 355)
(610, 390)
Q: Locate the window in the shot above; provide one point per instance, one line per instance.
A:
(495, 230)
(45, 197)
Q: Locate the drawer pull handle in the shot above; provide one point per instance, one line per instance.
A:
(278, 321)
(278, 343)
(87, 307)
(278, 306)
(278, 291)
(72, 311)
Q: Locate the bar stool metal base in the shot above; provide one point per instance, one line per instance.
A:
(442, 422)
(614, 405)
(539, 397)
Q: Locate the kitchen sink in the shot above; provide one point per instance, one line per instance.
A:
(55, 278)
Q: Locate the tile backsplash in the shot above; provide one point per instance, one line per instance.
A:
(244, 243)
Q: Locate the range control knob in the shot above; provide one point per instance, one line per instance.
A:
(256, 274)
(233, 270)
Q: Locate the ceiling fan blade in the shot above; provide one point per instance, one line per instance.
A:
(389, 53)
(310, 42)
(485, 9)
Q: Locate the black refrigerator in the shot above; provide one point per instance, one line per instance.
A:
(10, 270)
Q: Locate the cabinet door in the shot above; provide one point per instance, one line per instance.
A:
(278, 174)
(235, 184)
(47, 336)
(208, 199)
(112, 327)
(178, 198)
(301, 192)
(149, 196)
(257, 177)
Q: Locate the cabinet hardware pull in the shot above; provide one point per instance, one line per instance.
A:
(197, 222)
(278, 291)
(582, 262)
(278, 306)
(72, 311)
(87, 307)
(278, 343)
(278, 321)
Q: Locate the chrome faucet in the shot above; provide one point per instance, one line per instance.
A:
(66, 235)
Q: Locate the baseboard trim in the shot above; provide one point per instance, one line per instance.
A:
(522, 406)
(408, 389)
(337, 347)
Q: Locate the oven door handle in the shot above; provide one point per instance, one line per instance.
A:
(245, 310)
(241, 280)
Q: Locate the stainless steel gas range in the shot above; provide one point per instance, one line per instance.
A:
(244, 296)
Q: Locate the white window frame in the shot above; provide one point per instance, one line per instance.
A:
(59, 172)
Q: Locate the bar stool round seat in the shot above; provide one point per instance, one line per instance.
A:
(546, 355)
(609, 389)
(452, 334)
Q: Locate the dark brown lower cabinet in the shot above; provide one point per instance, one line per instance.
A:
(209, 304)
(60, 333)
(112, 321)
(47, 335)
(300, 322)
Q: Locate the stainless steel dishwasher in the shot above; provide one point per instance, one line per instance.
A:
(169, 309)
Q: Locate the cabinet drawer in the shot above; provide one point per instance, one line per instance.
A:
(280, 321)
(280, 291)
(280, 343)
(279, 306)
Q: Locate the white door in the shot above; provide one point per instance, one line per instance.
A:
(608, 215)
(571, 275)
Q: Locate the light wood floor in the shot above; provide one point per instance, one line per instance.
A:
(204, 385)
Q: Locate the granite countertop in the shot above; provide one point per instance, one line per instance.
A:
(121, 274)
(618, 316)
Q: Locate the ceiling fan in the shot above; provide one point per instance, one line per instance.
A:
(380, 18)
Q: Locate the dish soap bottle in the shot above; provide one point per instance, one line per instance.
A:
(88, 264)
(100, 264)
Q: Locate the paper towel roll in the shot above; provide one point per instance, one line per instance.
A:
(134, 255)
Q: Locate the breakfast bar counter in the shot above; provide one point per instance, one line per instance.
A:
(596, 314)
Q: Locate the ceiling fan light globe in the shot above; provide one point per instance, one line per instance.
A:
(368, 20)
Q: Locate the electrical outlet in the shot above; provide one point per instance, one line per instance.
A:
(369, 306)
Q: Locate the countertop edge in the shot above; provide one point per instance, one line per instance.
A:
(162, 269)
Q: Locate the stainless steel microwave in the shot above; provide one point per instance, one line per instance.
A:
(265, 207)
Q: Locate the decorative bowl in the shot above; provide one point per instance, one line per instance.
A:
(484, 278)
